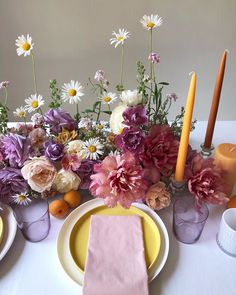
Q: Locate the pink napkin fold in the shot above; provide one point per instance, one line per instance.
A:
(115, 263)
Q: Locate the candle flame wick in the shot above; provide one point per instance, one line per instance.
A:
(227, 50)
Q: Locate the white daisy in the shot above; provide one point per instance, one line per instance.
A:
(108, 98)
(72, 91)
(21, 199)
(150, 22)
(20, 112)
(119, 37)
(93, 148)
(34, 102)
(101, 125)
(24, 45)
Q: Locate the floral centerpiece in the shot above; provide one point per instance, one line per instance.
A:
(122, 154)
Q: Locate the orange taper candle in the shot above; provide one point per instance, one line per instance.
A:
(215, 102)
(183, 146)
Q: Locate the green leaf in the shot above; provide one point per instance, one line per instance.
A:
(107, 112)
(163, 83)
(97, 103)
(89, 111)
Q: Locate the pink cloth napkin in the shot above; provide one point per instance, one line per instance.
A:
(115, 263)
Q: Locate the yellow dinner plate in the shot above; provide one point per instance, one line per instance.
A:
(1, 229)
(80, 234)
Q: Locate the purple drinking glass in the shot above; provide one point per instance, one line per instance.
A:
(33, 220)
(188, 222)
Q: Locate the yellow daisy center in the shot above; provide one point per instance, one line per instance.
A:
(150, 25)
(26, 46)
(121, 130)
(34, 104)
(119, 38)
(72, 92)
(107, 99)
(22, 198)
(92, 148)
(100, 126)
(21, 114)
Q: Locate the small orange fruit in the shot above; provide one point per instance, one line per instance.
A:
(59, 208)
(73, 198)
(232, 202)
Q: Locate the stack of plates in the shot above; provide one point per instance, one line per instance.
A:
(73, 237)
(8, 228)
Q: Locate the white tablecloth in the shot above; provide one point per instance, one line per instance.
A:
(200, 268)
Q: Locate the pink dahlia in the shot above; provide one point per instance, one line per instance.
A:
(119, 179)
(206, 182)
(160, 152)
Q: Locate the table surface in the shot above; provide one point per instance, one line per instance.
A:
(200, 268)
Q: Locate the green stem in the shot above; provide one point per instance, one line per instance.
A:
(100, 105)
(77, 108)
(151, 71)
(6, 95)
(109, 107)
(34, 73)
(122, 65)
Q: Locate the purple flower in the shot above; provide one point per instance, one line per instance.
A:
(135, 116)
(11, 182)
(131, 140)
(4, 84)
(16, 149)
(85, 171)
(154, 57)
(58, 119)
(54, 151)
(172, 96)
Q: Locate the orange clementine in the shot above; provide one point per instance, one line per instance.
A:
(59, 208)
(232, 202)
(73, 198)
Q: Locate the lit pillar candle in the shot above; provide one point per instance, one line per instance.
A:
(215, 103)
(183, 146)
(225, 158)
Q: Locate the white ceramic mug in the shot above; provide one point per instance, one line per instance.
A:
(226, 237)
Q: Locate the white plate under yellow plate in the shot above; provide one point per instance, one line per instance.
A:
(1, 230)
(10, 227)
(80, 234)
(63, 247)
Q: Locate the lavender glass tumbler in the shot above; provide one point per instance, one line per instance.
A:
(33, 220)
(188, 223)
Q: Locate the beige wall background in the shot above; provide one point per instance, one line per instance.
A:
(72, 41)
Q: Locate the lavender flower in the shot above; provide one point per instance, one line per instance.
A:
(172, 96)
(54, 151)
(58, 119)
(154, 57)
(131, 140)
(11, 183)
(135, 116)
(85, 171)
(4, 84)
(16, 149)
(99, 76)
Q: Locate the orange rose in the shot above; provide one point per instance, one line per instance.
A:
(157, 197)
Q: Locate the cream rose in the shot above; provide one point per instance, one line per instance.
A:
(39, 173)
(116, 119)
(131, 98)
(66, 181)
(76, 147)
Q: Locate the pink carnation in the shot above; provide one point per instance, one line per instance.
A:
(160, 152)
(119, 179)
(206, 182)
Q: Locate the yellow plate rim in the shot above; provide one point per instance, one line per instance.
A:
(137, 211)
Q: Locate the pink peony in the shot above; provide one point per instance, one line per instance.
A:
(119, 179)
(157, 196)
(160, 152)
(206, 182)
